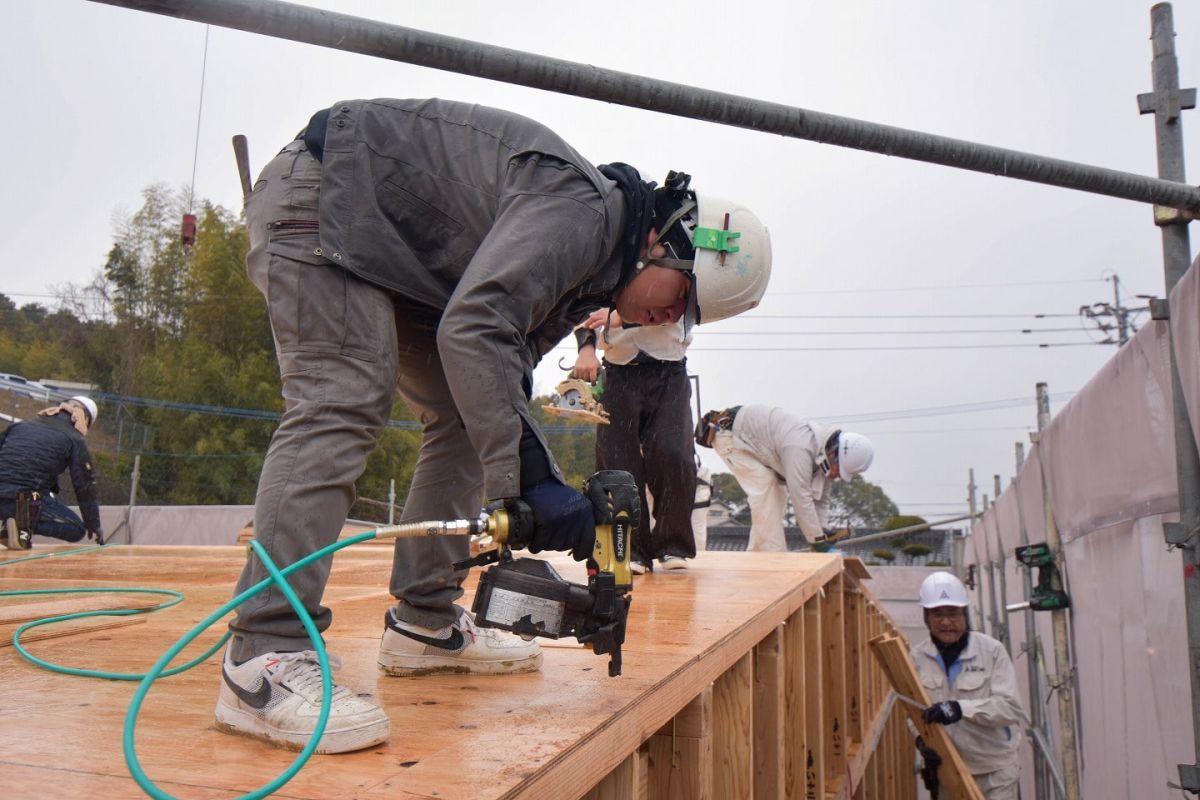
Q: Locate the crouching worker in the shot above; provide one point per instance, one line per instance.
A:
(32, 456)
(775, 455)
(971, 680)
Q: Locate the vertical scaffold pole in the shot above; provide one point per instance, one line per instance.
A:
(1167, 103)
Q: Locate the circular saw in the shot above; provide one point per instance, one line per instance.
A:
(573, 399)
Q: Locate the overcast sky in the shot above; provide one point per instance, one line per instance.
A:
(872, 254)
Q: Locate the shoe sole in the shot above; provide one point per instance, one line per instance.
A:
(673, 565)
(242, 723)
(409, 666)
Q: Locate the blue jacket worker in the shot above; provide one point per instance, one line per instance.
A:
(33, 455)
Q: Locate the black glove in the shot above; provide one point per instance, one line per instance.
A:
(946, 712)
(562, 519)
(97, 535)
(931, 761)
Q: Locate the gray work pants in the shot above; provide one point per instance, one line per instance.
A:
(344, 347)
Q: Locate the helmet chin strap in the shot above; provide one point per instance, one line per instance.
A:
(686, 265)
(823, 460)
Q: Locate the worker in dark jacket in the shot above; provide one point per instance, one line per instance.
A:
(439, 250)
(32, 456)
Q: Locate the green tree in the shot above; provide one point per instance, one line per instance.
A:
(728, 490)
(859, 504)
(903, 521)
(915, 550)
(571, 441)
(884, 554)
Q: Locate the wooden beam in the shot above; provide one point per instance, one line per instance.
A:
(814, 709)
(770, 709)
(733, 731)
(681, 753)
(899, 669)
(625, 782)
(795, 720)
(833, 641)
(70, 628)
(855, 655)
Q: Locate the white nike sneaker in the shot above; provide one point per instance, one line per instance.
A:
(409, 649)
(673, 562)
(277, 697)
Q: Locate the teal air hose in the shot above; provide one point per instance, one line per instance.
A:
(277, 576)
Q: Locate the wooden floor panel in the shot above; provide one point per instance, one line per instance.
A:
(551, 734)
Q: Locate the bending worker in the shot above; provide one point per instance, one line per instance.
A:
(775, 455)
(32, 456)
(971, 680)
(647, 395)
(439, 250)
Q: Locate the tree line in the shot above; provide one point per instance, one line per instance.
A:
(185, 327)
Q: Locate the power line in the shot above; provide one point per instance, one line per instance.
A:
(1038, 345)
(939, 287)
(745, 317)
(892, 332)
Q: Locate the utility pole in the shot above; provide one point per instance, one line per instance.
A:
(1122, 316)
(1167, 103)
(1064, 681)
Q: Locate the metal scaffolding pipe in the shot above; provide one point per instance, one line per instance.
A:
(923, 526)
(397, 43)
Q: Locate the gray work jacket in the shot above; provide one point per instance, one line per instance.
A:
(487, 216)
(985, 685)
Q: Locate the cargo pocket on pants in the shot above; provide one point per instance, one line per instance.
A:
(315, 305)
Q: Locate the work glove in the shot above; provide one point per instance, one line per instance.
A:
(98, 535)
(946, 712)
(929, 767)
(550, 515)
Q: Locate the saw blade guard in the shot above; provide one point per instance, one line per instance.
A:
(573, 399)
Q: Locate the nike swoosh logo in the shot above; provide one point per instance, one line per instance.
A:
(256, 699)
(454, 642)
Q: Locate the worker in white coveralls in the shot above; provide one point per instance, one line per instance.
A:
(970, 678)
(775, 455)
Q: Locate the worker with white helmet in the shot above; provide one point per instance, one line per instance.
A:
(33, 454)
(970, 679)
(437, 251)
(775, 455)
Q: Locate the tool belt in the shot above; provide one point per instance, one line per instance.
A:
(28, 510)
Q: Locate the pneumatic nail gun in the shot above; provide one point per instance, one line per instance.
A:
(527, 595)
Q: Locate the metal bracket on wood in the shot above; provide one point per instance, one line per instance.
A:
(1178, 535)
(1165, 215)
(1189, 778)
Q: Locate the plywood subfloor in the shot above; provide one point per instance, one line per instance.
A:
(552, 734)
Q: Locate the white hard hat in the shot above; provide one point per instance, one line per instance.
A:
(855, 454)
(943, 589)
(732, 260)
(89, 404)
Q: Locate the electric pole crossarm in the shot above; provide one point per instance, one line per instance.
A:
(397, 43)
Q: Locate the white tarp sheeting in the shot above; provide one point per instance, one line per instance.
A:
(1110, 469)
